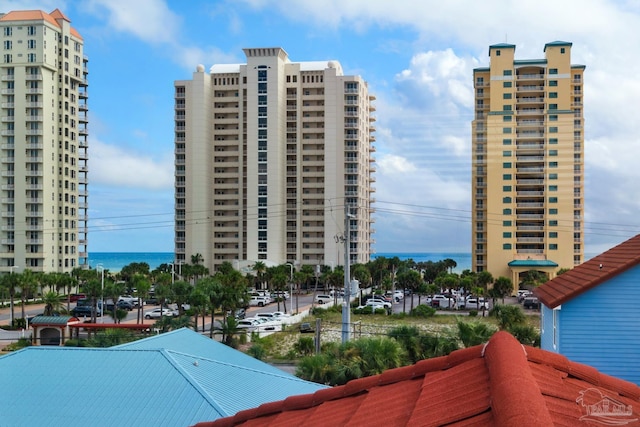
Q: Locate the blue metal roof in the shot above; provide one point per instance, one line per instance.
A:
(130, 385)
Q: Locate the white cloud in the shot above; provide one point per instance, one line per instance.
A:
(149, 20)
(114, 166)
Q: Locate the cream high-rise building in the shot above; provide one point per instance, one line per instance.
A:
(528, 163)
(268, 153)
(43, 143)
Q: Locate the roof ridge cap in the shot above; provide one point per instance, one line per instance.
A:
(516, 399)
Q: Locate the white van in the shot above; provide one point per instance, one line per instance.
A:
(259, 301)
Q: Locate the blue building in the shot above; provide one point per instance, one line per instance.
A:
(591, 314)
(175, 379)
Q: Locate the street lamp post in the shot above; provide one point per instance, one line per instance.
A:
(290, 288)
(101, 267)
(11, 299)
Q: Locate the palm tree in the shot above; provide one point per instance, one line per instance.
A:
(181, 291)
(10, 283)
(474, 333)
(260, 269)
(197, 259)
(52, 303)
(142, 286)
(28, 281)
(279, 284)
(228, 328)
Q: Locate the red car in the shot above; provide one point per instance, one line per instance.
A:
(76, 297)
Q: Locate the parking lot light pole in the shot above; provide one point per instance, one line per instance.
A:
(290, 288)
(101, 267)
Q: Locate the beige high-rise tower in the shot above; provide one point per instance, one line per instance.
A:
(267, 155)
(43, 141)
(528, 163)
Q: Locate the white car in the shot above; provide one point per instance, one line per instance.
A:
(130, 299)
(259, 301)
(379, 301)
(158, 312)
(375, 305)
(248, 323)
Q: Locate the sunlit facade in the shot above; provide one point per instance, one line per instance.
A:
(267, 154)
(43, 143)
(528, 163)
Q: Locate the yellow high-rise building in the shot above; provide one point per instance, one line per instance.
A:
(528, 163)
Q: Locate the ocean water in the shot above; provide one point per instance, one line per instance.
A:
(114, 261)
(462, 259)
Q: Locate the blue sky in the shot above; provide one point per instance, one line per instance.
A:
(417, 57)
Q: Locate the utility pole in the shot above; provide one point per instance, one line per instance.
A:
(346, 305)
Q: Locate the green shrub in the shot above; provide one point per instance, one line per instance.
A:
(423, 310)
(526, 334)
(258, 351)
(305, 346)
(473, 313)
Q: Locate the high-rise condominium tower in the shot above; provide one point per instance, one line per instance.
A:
(528, 163)
(268, 153)
(43, 143)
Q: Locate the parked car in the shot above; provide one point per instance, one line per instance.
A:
(121, 304)
(83, 310)
(130, 299)
(152, 300)
(259, 301)
(268, 316)
(76, 297)
(472, 303)
(522, 294)
(158, 312)
(442, 301)
(240, 313)
(280, 294)
(281, 314)
(249, 323)
(396, 296)
(323, 299)
(379, 301)
(531, 302)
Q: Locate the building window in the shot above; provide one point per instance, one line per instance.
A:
(506, 108)
(506, 153)
(31, 57)
(506, 223)
(506, 211)
(553, 211)
(553, 200)
(553, 71)
(553, 117)
(31, 44)
(553, 246)
(8, 31)
(480, 81)
(506, 165)
(506, 234)
(31, 30)
(553, 164)
(553, 153)
(506, 84)
(553, 106)
(506, 130)
(506, 200)
(506, 96)
(562, 50)
(506, 118)
(507, 72)
(506, 141)
(506, 246)
(506, 177)
(506, 188)
(553, 94)
(7, 45)
(553, 176)
(553, 223)
(553, 129)
(553, 188)
(498, 52)
(553, 234)
(553, 83)
(553, 140)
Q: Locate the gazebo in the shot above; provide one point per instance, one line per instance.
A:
(52, 330)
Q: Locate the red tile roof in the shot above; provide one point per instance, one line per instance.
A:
(501, 383)
(590, 273)
(39, 15)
